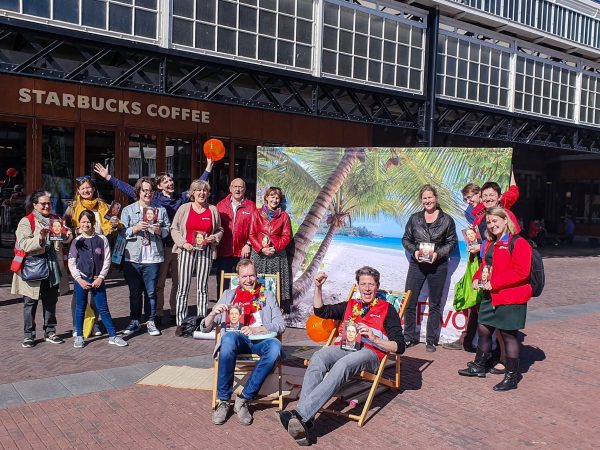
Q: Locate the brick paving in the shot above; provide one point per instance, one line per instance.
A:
(554, 407)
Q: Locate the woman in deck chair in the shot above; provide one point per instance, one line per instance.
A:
(379, 326)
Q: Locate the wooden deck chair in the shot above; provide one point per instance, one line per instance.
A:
(399, 300)
(246, 362)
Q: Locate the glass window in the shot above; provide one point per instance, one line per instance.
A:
(119, 19)
(100, 148)
(178, 162)
(145, 23)
(142, 157)
(183, 8)
(245, 168)
(40, 8)
(11, 5)
(183, 32)
(272, 26)
(93, 13)
(66, 10)
(12, 183)
(57, 165)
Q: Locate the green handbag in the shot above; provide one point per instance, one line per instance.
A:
(465, 296)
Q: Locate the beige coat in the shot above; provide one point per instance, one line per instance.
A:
(30, 242)
(179, 230)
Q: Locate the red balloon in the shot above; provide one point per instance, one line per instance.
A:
(214, 149)
(11, 172)
(319, 329)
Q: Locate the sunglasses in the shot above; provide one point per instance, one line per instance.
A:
(80, 180)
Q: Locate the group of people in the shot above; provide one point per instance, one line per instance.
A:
(504, 257)
(160, 233)
(235, 235)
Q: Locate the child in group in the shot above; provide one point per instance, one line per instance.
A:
(89, 262)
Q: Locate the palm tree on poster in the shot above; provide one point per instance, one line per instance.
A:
(314, 164)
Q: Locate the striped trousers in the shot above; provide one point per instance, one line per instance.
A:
(189, 264)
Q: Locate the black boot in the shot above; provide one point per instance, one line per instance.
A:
(511, 377)
(477, 368)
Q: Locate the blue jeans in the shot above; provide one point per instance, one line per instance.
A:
(140, 277)
(233, 344)
(340, 366)
(99, 297)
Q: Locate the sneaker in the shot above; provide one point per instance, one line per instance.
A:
(28, 342)
(152, 330)
(96, 330)
(78, 342)
(240, 408)
(54, 338)
(118, 341)
(221, 412)
(456, 345)
(133, 327)
(430, 347)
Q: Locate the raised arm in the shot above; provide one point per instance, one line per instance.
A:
(118, 184)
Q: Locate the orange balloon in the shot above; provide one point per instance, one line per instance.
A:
(214, 149)
(319, 329)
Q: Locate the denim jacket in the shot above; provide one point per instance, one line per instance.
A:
(130, 216)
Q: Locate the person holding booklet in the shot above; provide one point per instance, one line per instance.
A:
(196, 231)
(164, 197)
(378, 324)
(262, 321)
(270, 234)
(143, 253)
(39, 281)
(89, 262)
(87, 198)
(436, 229)
(506, 291)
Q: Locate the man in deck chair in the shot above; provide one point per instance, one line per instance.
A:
(379, 326)
(261, 316)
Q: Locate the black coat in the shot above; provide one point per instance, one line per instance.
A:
(442, 233)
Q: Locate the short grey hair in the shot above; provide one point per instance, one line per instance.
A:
(198, 185)
(369, 271)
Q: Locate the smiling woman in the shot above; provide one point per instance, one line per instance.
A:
(430, 228)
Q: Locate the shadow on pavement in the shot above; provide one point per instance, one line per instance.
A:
(530, 354)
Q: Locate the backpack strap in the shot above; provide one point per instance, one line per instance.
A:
(31, 219)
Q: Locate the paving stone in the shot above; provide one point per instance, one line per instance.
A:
(9, 395)
(42, 389)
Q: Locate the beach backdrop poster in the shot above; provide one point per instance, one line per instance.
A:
(349, 208)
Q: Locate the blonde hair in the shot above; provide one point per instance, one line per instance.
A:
(198, 185)
(500, 212)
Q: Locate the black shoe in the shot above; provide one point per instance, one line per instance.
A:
(28, 342)
(410, 343)
(477, 367)
(158, 321)
(500, 371)
(284, 418)
(511, 377)
(430, 347)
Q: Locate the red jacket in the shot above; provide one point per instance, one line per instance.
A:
(510, 273)
(235, 234)
(508, 199)
(278, 230)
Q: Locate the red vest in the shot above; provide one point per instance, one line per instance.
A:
(373, 319)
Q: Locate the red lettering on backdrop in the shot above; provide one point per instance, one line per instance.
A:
(458, 318)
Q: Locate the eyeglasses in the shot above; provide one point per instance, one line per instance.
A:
(44, 203)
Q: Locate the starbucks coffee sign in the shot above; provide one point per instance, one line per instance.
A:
(112, 105)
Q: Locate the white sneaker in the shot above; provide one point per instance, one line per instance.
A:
(152, 330)
(118, 341)
(78, 342)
